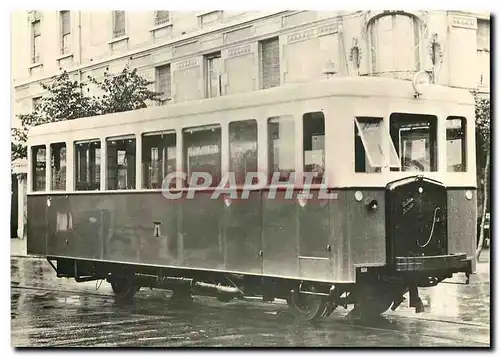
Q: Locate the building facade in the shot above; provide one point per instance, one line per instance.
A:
(192, 55)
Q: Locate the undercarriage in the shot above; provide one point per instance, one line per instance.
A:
(375, 291)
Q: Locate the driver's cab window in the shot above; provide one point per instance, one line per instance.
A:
(373, 149)
(415, 139)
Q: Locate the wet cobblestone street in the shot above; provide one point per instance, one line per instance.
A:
(47, 311)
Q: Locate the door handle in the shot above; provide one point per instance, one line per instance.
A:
(261, 253)
(328, 248)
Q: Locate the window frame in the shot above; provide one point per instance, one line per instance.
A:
(270, 165)
(160, 21)
(433, 123)
(185, 155)
(132, 162)
(36, 103)
(373, 41)
(207, 80)
(114, 32)
(464, 143)
(142, 162)
(261, 45)
(64, 146)
(385, 141)
(34, 153)
(166, 97)
(321, 175)
(230, 157)
(91, 182)
(36, 36)
(64, 50)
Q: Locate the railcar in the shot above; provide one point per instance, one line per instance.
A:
(391, 206)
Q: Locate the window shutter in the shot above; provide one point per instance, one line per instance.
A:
(270, 63)
(65, 22)
(164, 80)
(483, 35)
(119, 23)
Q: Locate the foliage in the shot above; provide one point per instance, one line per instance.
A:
(483, 135)
(483, 154)
(67, 99)
(123, 92)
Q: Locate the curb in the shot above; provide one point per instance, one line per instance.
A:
(26, 256)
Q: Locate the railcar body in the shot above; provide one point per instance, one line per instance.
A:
(395, 209)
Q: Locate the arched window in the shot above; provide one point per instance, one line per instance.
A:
(394, 41)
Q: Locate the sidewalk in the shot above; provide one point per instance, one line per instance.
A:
(18, 247)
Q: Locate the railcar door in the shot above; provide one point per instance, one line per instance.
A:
(315, 235)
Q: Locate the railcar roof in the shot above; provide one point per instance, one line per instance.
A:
(352, 86)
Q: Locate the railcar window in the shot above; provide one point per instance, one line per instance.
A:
(202, 152)
(121, 163)
(58, 164)
(39, 165)
(281, 142)
(88, 165)
(373, 148)
(242, 148)
(415, 138)
(158, 158)
(313, 137)
(455, 144)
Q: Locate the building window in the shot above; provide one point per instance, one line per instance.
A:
(58, 164)
(483, 34)
(313, 125)
(36, 103)
(39, 165)
(164, 83)
(162, 17)
(121, 163)
(118, 24)
(36, 37)
(158, 158)
(242, 148)
(213, 75)
(202, 152)
(415, 139)
(455, 144)
(395, 45)
(65, 32)
(281, 142)
(88, 165)
(373, 146)
(270, 63)
(483, 52)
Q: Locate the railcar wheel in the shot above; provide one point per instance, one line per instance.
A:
(373, 300)
(124, 288)
(329, 308)
(307, 307)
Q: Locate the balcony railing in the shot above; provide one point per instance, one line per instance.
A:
(162, 19)
(118, 33)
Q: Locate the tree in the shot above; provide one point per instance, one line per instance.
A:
(125, 91)
(67, 99)
(483, 154)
